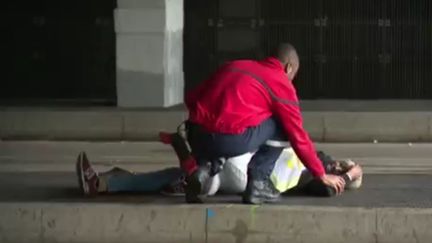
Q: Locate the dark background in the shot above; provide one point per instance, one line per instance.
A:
(355, 49)
(58, 51)
(64, 51)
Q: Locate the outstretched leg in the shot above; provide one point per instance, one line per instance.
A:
(117, 180)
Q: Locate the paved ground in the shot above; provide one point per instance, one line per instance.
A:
(144, 156)
(377, 191)
(306, 105)
(44, 171)
(40, 202)
(325, 120)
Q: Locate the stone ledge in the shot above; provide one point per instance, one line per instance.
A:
(137, 124)
(110, 222)
(379, 126)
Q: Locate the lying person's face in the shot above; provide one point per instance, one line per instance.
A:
(339, 167)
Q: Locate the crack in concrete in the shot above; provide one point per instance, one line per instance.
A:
(376, 226)
(429, 129)
(123, 127)
(324, 131)
(42, 228)
(206, 224)
(119, 223)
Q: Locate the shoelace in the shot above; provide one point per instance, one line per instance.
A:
(89, 173)
(179, 184)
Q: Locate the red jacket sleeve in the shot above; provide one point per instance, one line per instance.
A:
(286, 108)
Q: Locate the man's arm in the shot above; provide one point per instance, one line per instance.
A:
(288, 111)
(289, 115)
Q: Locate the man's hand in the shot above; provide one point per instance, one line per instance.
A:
(337, 182)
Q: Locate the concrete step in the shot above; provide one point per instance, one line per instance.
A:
(47, 207)
(326, 121)
(31, 156)
(40, 201)
(113, 223)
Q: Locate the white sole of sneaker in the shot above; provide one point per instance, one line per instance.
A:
(83, 182)
(77, 171)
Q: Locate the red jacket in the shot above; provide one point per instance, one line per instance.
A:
(243, 94)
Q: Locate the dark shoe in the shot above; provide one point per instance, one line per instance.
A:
(177, 188)
(260, 191)
(87, 176)
(197, 185)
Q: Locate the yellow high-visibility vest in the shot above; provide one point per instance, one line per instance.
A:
(287, 171)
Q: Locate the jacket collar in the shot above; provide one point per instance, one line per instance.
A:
(273, 62)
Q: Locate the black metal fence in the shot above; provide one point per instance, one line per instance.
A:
(363, 49)
(354, 49)
(58, 50)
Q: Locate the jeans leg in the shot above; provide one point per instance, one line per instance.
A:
(263, 162)
(215, 145)
(144, 182)
(199, 142)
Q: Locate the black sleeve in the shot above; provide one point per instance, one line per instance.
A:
(317, 188)
(326, 160)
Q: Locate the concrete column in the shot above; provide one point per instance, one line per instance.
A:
(149, 53)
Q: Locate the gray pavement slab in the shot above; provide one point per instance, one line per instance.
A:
(326, 121)
(413, 191)
(40, 201)
(383, 105)
(215, 223)
(33, 156)
(381, 126)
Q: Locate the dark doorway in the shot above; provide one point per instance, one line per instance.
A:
(349, 49)
(58, 52)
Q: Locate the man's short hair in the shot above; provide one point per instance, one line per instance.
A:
(286, 53)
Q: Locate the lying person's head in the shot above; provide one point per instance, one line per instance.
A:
(350, 171)
(349, 168)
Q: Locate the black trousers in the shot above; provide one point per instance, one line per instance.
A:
(207, 146)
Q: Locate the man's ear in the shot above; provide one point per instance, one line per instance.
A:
(288, 68)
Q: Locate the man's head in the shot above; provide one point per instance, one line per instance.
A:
(287, 55)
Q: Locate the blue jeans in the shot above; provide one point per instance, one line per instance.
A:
(143, 182)
(207, 146)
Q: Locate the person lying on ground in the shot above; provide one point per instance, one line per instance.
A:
(171, 181)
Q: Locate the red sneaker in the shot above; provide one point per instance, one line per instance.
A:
(87, 177)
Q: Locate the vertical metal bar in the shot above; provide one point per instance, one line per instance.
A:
(320, 82)
(383, 49)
